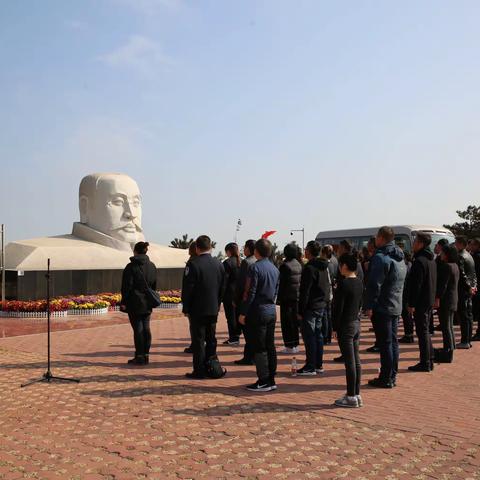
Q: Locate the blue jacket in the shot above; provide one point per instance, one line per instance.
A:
(386, 278)
(261, 288)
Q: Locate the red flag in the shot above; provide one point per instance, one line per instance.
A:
(268, 233)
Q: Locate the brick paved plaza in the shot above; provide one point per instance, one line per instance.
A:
(126, 422)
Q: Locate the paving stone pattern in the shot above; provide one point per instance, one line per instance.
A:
(125, 422)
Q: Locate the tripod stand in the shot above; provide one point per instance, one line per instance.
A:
(47, 376)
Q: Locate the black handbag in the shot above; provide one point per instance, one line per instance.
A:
(441, 355)
(153, 298)
(214, 369)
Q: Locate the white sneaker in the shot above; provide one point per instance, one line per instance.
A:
(320, 370)
(295, 350)
(360, 400)
(289, 350)
(347, 402)
(463, 346)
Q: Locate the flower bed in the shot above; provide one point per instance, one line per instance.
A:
(78, 305)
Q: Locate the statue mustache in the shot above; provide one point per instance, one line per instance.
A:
(131, 222)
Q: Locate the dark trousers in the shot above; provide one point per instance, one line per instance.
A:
(248, 333)
(476, 310)
(263, 340)
(422, 326)
(204, 342)
(466, 318)
(349, 342)
(446, 322)
(407, 322)
(289, 323)
(232, 319)
(313, 338)
(327, 326)
(386, 327)
(142, 336)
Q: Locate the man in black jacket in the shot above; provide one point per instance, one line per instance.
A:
(290, 273)
(467, 288)
(247, 262)
(422, 287)
(475, 252)
(315, 291)
(202, 295)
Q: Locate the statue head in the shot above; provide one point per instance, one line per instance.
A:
(111, 203)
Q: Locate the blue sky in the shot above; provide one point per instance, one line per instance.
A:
(282, 113)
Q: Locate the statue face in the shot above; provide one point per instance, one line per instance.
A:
(116, 208)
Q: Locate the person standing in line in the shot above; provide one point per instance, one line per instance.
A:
(139, 275)
(346, 324)
(201, 298)
(192, 252)
(467, 289)
(386, 279)
(475, 253)
(447, 293)
(290, 274)
(259, 310)
(247, 262)
(407, 318)
(232, 270)
(315, 291)
(327, 254)
(422, 288)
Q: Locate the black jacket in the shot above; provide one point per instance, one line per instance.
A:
(347, 304)
(315, 288)
(232, 272)
(468, 277)
(203, 287)
(422, 281)
(136, 273)
(242, 279)
(447, 285)
(290, 275)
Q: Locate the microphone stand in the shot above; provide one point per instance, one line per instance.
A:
(47, 376)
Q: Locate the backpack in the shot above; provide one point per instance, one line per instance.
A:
(214, 369)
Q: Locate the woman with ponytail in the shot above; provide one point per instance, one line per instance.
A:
(232, 270)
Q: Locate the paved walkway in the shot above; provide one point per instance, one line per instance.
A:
(150, 422)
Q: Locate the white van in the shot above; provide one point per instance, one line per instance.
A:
(404, 234)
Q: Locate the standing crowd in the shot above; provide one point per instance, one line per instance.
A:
(321, 294)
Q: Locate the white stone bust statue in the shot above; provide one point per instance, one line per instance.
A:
(110, 225)
(110, 211)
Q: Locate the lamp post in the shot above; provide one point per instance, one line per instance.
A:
(237, 229)
(303, 235)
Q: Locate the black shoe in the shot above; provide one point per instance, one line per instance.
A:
(188, 350)
(264, 387)
(407, 339)
(137, 361)
(379, 383)
(232, 342)
(339, 359)
(195, 376)
(438, 328)
(373, 349)
(419, 368)
(243, 361)
(476, 337)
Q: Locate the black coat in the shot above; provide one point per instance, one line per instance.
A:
(422, 281)
(242, 279)
(290, 275)
(232, 272)
(203, 287)
(315, 288)
(447, 285)
(136, 273)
